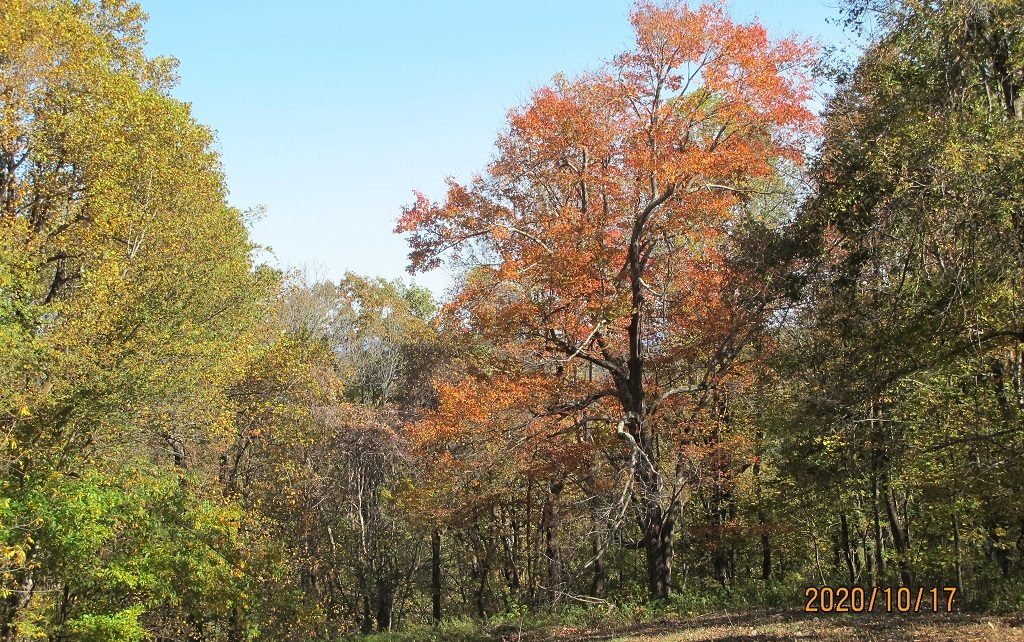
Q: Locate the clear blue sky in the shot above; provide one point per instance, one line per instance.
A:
(330, 113)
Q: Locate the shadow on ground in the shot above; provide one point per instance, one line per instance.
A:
(794, 625)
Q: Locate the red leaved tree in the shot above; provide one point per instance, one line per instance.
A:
(600, 236)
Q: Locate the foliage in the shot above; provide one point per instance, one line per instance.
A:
(681, 373)
(610, 272)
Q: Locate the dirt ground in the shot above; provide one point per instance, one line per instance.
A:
(799, 626)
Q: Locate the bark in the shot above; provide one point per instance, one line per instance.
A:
(552, 547)
(847, 553)
(510, 543)
(597, 524)
(766, 550)
(879, 551)
(435, 573)
(658, 543)
(817, 556)
(366, 625)
(597, 585)
(899, 538)
(531, 575)
(762, 518)
(481, 569)
(656, 523)
(957, 552)
(720, 557)
(385, 603)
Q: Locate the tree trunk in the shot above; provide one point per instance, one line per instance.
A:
(598, 541)
(658, 526)
(656, 523)
(385, 604)
(531, 549)
(847, 553)
(899, 538)
(876, 455)
(762, 518)
(366, 625)
(879, 552)
(435, 572)
(766, 550)
(511, 546)
(959, 568)
(597, 586)
(658, 544)
(481, 569)
(552, 548)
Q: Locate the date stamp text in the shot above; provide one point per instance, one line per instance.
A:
(856, 599)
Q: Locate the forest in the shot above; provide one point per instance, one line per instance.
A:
(707, 345)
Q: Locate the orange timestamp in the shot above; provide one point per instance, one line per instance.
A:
(856, 599)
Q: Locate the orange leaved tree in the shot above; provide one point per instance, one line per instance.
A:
(602, 236)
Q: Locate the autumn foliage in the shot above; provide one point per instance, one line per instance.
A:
(600, 237)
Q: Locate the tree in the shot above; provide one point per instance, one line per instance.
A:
(127, 298)
(320, 460)
(602, 235)
(907, 357)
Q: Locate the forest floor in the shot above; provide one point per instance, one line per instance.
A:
(796, 626)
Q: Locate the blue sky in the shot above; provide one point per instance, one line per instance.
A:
(330, 113)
